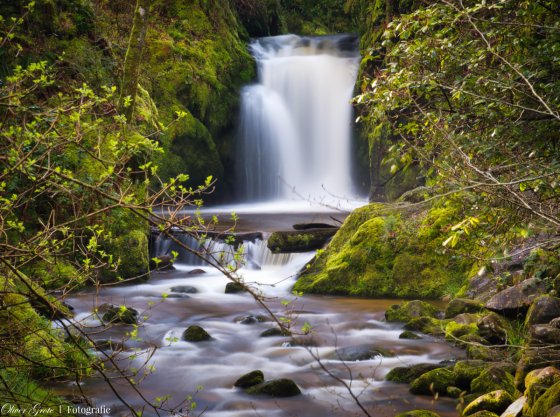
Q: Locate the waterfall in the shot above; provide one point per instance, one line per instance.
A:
(295, 127)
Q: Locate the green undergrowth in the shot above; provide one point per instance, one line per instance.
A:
(389, 251)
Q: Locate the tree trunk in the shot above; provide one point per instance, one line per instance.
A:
(133, 58)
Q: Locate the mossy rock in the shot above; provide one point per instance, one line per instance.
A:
(130, 251)
(454, 392)
(234, 288)
(432, 382)
(484, 413)
(466, 371)
(462, 305)
(454, 331)
(426, 325)
(250, 379)
(493, 379)
(535, 359)
(275, 331)
(121, 314)
(276, 388)
(495, 402)
(195, 334)
(543, 310)
(410, 310)
(418, 413)
(538, 381)
(407, 374)
(56, 274)
(494, 328)
(407, 334)
(550, 399)
(299, 240)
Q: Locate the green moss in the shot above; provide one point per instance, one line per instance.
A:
(492, 379)
(196, 334)
(130, 254)
(410, 310)
(432, 382)
(427, 325)
(56, 274)
(454, 331)
(466, 371)
(380, 252)
(547, 401)
(276, 388)
(402, 374)
(250, 379)
(418, 413)
(496, 402)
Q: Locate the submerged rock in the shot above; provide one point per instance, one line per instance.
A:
(276, 388)
(407, 334)
(495, 402)
(250, 379)
(274, 331)
(195, 334)
(184, 289)
(251, 319)
(360, 353)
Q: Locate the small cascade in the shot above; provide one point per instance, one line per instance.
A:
(256, 254)
(295, 128)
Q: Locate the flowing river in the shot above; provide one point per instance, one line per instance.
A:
(294, 143)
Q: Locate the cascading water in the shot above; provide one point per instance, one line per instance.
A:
(295, 129)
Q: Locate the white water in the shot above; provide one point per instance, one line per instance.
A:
(295, 130)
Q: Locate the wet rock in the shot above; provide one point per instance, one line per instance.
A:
(515, 409)
(361, 353)
(108, 344)
(177, 295)
(276, 388)
(517, 299)
(120, 314)
(184, 289)
(454, 392)
(493, 379)
(274, 331)
(195, 334)
(495, 402)
(250, 379)
(418, 413)
(407, 334)
(411, 310)
(544, 335)
(432, 382)
(547, 401)
(482, 287)
(484, 413)
(466, 371)
(535, 359)
(299, 241)
(234, 288)
(307, 226)
(543, 310)
(250, 319)
(481, 352)
(492, 328)
(461, 306)
(454, 331)
(407, 374)
(162, 263)
(196, 271)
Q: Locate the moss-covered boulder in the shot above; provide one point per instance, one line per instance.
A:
(454, 331)
(548, 400)
(407, 374)
(384, 251)
(493, 328)
(234, 288)
(518, 298)
(276, 388)
(535, 359)
(484, 413)
(462, 305)
(427, 325)
(162, 263)
(407, 334)
(492, 379)
(250, 379)
(299, 240)
(432, 382)
(466, 371)
(195, 334)
(118, 314)
(543, 310)
(418, 413)
(410, 310)
(275, 331)
(538, 381)
(495, 401)
(130, 253)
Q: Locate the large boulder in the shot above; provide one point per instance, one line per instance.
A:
(276, 388)
(493, 329)
(432, 382)
(466, 371)
(543, 334)
(547, 401)
(543, 310)
(462, 305)
(538, 381)
(535, 359)
(492, 379)
(300, 240)
(495, 402)
(517, 299)
(130, 252)
(411, 310)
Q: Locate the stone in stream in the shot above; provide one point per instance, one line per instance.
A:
(250, 379)
(118, 314)
(307, 226)
(274, 331)
(184, 289)
(195, 334)
(196, 271)
(251, 319)
(234, 288)
(411, 310)
(407, 334)
(299, 240)
(418, 413)
(275, 388)
(494, 378)
(432, 382)
(162, 263)
(108, 344)
(495, 402)
(360, 353)
(407, 374)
